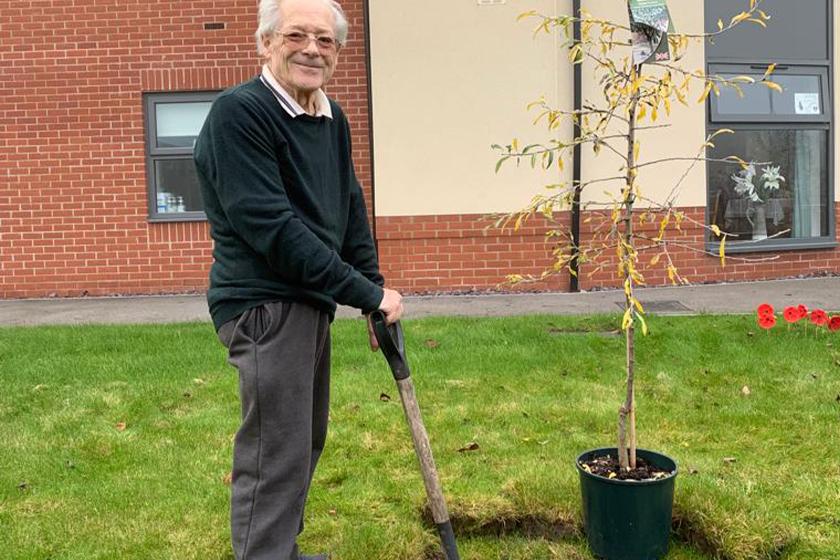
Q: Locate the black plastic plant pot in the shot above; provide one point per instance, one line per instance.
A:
(627, 520)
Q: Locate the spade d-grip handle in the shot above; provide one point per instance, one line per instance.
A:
(392, 344)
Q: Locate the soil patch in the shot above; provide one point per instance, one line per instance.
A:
(608, 467)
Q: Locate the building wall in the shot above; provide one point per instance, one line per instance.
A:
(431, 210)
(449, 79)
(73, 210)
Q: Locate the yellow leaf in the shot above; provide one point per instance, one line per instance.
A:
(627, 320)
(769, 71)
(772, 85)
(638, 305)
(524, 15)
(722, 251)
(706, 91)
(720, 24)
(715, 229)
(644, 325)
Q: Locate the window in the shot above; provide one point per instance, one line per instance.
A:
(785, 199)
(173, 121)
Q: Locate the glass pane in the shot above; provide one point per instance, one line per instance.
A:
(801, 96)
(797, 30)
(755, 100)
(177, 186)
(784, 194)
(178, 124)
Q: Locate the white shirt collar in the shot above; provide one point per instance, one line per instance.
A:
(292, 107)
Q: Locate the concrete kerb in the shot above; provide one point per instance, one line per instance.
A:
(741, 297)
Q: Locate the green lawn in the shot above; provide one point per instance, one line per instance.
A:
(115, 441)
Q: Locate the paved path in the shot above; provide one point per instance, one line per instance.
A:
(712, 298)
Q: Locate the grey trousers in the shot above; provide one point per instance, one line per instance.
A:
(282, 352)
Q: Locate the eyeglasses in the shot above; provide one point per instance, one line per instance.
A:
(300, 40)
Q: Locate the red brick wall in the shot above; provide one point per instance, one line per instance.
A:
(73, 210)
(459, 253)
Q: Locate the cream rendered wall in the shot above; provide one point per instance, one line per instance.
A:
(687, 124)
(836, 101)
(450, 78)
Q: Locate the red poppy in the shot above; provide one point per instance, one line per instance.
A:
(792, 314)
(803, 311)
(765, 310)
(767, 322)
(819, 317)
(834, 323)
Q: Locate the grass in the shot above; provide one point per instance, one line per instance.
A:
(116, 441)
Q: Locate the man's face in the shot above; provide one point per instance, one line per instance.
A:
(302, 68)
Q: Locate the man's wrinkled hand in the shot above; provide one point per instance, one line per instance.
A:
(391, 305)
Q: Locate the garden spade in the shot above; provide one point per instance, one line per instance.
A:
(391, 342)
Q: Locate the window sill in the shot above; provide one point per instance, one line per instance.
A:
(178, 217)
(773, 246)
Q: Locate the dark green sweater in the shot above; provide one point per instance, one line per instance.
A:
(286, 212)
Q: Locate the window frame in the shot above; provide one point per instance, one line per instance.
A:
(740, 69)
(775, 122)
(155, 154)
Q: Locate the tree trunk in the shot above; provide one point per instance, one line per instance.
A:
(627, 433)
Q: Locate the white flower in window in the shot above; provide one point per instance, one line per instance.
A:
(746, 187)
(771, 178)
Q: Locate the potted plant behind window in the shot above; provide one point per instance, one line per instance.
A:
(627, 492)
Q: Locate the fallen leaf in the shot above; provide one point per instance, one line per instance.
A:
(472, 446)
(120, 426)
(814, 376)
(693, 471)
(431, 343)
(187, 394)
(23, 485)
(745, 391)
(227, 480)
(750, 333)
(39, 387)
(384, 397)
(729, 459)
(198, 381)
(333, 512)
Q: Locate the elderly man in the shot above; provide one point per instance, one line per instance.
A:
(291, 240)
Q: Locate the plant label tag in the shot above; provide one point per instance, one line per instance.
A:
(650, 23)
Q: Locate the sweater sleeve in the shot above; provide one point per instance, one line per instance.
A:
(242, 164)
(359, 249)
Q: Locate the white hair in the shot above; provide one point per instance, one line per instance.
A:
(269, 21)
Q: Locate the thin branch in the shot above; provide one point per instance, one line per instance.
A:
(711, 160)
